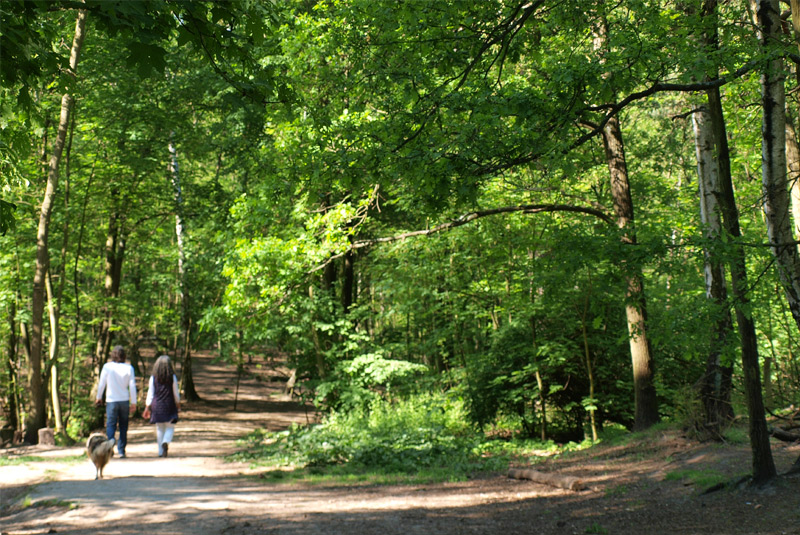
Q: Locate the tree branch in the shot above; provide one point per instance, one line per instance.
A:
(468, 218)
(614, 108)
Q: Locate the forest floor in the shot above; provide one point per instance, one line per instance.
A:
(644, 486)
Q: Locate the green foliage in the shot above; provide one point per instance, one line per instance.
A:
(83, 416)
(404, 437)
(702, 478)
(25, 459)
(504, 379)
(597, 529)
(6, 216)
(358, 383)
(305, 128)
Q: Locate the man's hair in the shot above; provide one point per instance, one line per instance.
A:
(118, 354)
(162, 370)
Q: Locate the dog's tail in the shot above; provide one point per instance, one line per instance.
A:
(100, 450)
(99, 445)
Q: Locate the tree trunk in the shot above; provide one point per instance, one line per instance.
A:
(548, 478)
(793, 161)
(588, 358)
(115, 250)
(75, 286)
(793, 170)
(715, 389)
(792, 142)
(185, 355)
(11, 350)
(38, 417)
(348, 277)
(646, 402)
(763, 465)
(52, 309)
(773, 160)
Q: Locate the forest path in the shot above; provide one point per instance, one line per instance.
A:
(190, 490)
(194, 491)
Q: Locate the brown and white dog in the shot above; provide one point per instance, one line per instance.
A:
(100, 450)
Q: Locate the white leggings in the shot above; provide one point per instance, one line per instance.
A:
(164, 433)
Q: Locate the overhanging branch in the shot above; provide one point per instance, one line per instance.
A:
(468, 218)
(612, 109)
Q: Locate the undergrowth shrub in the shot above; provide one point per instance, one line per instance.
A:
(83, 418)
(364, 381)
(408, 436)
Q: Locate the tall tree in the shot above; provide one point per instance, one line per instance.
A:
(716, 383)
(715, 389)
(184, 355)
(38, 417)
(763, 464)
(773, 155)
(646, 401)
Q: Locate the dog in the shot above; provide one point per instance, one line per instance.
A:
(100, 450)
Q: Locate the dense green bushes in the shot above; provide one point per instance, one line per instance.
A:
(421, 434)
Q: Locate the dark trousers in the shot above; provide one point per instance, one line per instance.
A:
(117, 414)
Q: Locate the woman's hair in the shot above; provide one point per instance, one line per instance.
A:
(162, 370)
(118, 354)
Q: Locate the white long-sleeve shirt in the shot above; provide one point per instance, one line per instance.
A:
(176, 393)
(119, 382)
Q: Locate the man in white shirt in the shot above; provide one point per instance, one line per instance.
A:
(119, 382)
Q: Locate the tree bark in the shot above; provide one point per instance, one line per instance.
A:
(115, 253)
(75, 286)
(52, 309)
(11, 354)
(792, 142)
(348, 278)
(38, 417)
(185, 356)
(646, 402)
(715, 389)
(793, 170)
(763, 464)
(588, 357)
(773, 160)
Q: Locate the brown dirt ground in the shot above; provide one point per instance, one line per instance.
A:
(194, 491)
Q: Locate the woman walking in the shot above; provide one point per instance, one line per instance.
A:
(163, 403)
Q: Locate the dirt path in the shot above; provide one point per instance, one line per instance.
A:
(194, 491)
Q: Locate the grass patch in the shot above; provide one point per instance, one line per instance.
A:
(27, 503)
(618, 490)
(358, 477)
(596, 529)
(22, 459)
(736, 435)
(703, 478)
(27, 459)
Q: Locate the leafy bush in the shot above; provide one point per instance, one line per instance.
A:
(84, 417)
(421, 432)
(503, 383)
(361, 382)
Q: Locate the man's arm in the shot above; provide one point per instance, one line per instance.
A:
(101, 386)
